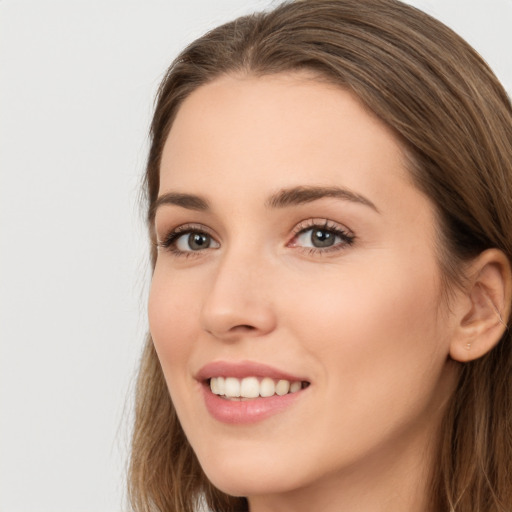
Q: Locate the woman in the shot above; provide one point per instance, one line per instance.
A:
(329, 191)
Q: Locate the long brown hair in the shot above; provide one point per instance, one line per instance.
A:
(455, 121)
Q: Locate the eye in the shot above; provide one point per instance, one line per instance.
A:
(316, 237)
(321, 237)
(186, 240)
(193, 241)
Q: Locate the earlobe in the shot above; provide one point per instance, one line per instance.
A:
(484, 319)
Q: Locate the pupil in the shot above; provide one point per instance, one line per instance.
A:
(322, 238)
(198, 241)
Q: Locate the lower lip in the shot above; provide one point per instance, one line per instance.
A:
(239, 412)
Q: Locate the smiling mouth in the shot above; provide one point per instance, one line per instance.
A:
(232, 388)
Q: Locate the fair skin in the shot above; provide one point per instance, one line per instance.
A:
(359, 317)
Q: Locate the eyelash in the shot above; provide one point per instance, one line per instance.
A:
(347, 237)
(169, 242)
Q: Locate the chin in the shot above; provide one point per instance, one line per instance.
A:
(250, 475)
(250, 484)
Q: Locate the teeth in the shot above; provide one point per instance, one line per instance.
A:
(282, 387)
(221, 386)
(252, 387)
(232, 388)
(214, 386)
(267, 387)
(295, 386)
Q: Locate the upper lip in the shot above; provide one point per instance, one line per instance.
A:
(241, 369)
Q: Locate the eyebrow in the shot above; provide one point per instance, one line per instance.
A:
(281, 199)
(188, 201)
(300, 195)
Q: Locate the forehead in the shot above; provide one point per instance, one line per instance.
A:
(278, 131)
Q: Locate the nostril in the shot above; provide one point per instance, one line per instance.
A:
(243, 328)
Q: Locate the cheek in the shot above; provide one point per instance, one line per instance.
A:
(171, 321)
(372, 330)
(356, 300)
(375, 339)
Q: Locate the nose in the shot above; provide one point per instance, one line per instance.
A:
(239, 299)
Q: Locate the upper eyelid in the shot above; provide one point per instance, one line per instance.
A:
(321, 223)
(184, 229)
(297, 228)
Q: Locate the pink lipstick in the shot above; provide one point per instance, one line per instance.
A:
(247, 392)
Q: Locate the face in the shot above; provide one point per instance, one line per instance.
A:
(296, 266)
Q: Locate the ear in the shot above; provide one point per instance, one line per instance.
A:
(485, 307)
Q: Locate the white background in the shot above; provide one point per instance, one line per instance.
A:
(77, 81)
